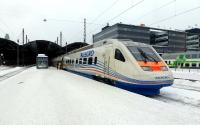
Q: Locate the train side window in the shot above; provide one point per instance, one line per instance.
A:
(66, 61)
(119, 56)
(72, 61)
(194, 65)
(187, 64)
(90, 60)
(84, 60)
(76, 61)
(95, 60)
(80, 61)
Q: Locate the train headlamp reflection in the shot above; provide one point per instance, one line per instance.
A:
(164, 68)
(146, 68)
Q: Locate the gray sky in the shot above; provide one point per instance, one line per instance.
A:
(67, 16)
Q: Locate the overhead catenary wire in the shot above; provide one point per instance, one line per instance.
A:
(105, 11)
(155, 10)
(175, 15)
(100, 15)
(121, 13)
(132, 6)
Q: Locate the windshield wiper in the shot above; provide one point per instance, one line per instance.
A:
(146, 56)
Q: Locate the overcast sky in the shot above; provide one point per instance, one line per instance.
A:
(67, 16)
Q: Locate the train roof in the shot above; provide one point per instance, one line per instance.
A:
(126, 42)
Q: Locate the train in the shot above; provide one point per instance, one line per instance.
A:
(126, 64)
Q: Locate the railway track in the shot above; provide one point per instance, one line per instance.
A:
(173, 100)
(13, 73)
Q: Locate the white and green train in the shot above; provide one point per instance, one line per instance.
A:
(183, 60)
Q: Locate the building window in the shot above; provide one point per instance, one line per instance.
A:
(119, 56)
(90, 60)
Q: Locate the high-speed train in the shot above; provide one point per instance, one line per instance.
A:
(129, 65)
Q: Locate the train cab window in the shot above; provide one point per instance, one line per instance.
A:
(84, 60)
(76, 61)
(80, 61)
(95, 60)
(90, 60)
(119, 55)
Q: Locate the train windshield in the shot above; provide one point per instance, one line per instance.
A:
(143, 54)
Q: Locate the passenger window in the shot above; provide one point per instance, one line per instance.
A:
(80, 61)
(95, 60)
(66, 61)
(119, 56)
(193, 64)
(76, 61)
(84, 60)
(90, 60)
(72, 61)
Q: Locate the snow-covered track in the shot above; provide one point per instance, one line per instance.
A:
(10, 74)
(192, 80)
(187, 87)
(166, 99)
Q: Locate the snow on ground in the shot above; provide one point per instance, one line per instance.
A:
(8, 70)
(181, 96)
(183, 92)
(4, 68)
(56, 97)
(187, 73)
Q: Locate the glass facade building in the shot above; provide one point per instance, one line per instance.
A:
(164, 41)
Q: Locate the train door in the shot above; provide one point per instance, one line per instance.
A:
(119, 61)
(107, 60)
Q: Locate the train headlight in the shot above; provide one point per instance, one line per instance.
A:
(164, 68)
(146, 68)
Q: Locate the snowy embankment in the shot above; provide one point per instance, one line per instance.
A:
(50, 96)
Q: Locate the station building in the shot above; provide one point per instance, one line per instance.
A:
(11, 53)
(164, 41)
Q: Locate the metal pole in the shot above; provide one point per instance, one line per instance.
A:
(60, 38)
(84, 34)
(57, 40)
(23, 36)
(26, 38)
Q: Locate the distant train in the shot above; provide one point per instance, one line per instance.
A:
(129, 65)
